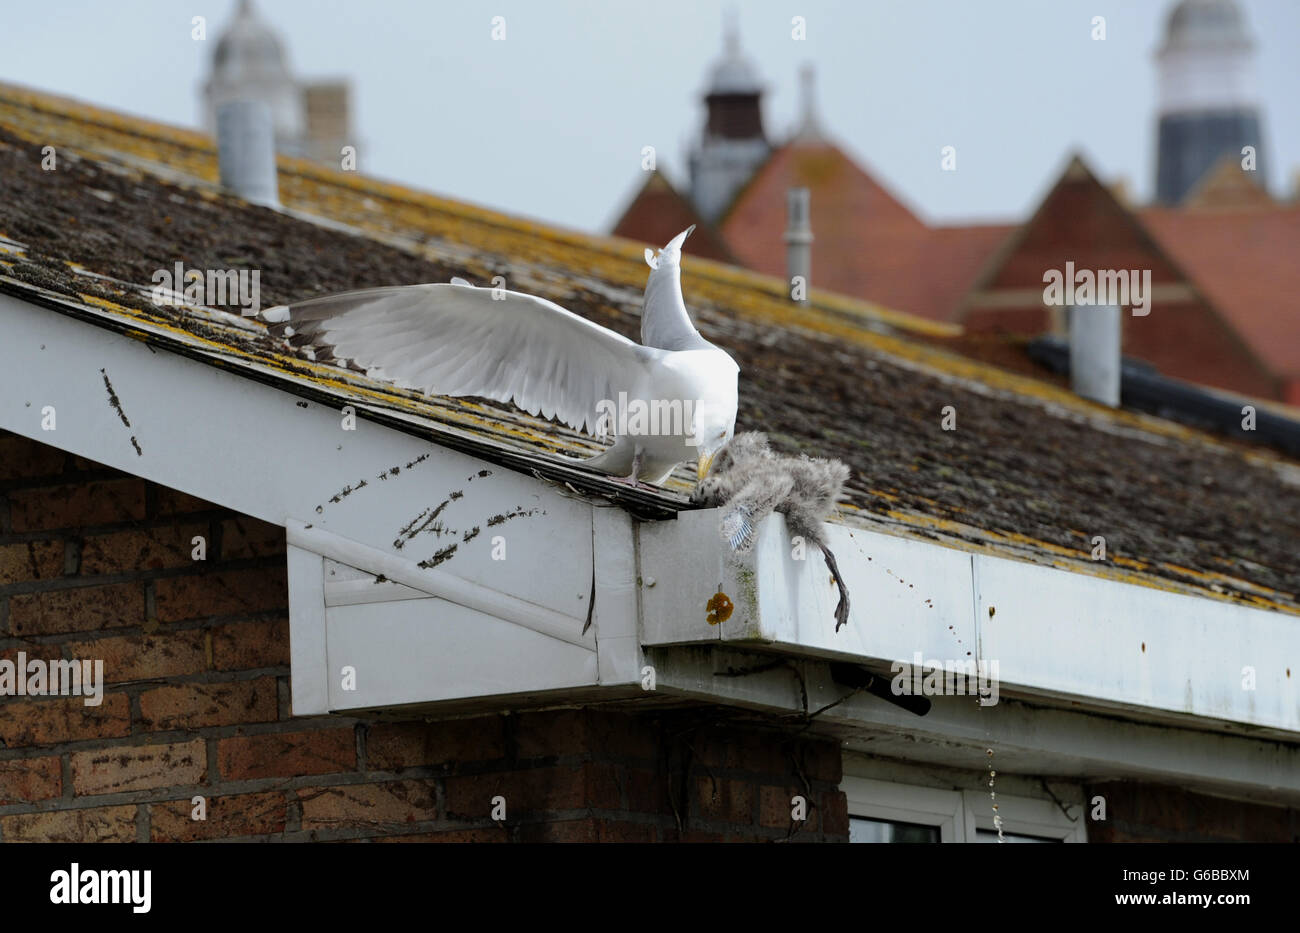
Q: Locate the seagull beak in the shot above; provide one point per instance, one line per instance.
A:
(676, 242)
(702, 465)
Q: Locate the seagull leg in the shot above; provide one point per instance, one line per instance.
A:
(631, 481)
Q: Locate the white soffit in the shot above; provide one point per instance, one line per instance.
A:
(1052, 632)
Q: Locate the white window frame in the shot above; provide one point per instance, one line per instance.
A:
(906, 803)
(958, 814)
(1021, 816)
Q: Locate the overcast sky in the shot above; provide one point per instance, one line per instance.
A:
(550, 123)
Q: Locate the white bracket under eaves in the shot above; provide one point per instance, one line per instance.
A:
(372, 630)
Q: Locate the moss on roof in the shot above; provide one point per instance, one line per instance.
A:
(1031, 470)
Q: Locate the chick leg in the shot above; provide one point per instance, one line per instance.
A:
(841, 610)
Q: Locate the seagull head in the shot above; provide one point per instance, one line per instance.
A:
(671, 254)
(708, 451)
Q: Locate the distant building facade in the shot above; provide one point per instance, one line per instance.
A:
(1220, 248)
(311, 119)
(733, 144)
(1208, 104)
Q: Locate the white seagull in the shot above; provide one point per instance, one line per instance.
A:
(669, 399)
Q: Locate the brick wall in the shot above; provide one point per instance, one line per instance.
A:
(98, 564)
(1137, 812)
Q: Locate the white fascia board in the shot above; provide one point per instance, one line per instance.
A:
(466, 533)
(270, 454)
(277, 457)
(1052, 633)
(1026, 738)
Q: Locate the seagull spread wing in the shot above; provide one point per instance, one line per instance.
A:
(458, 340)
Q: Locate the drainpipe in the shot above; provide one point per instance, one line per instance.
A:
(798, 239)
(1095, 353)
(246, 151)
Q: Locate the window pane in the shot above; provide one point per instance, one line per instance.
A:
(862, 829)
(991, 835)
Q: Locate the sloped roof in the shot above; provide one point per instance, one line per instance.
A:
(1247, 262)
(1244, 260)
(1227, 186)
(658, 212)
(866, 242)
(1031, 471)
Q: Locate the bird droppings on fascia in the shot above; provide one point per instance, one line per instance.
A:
(419, 524)
(513, 513)
(439, 557)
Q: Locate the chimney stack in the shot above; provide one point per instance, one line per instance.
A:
(809, 129)
(246, 151)
(1095, 353)
(798, 240)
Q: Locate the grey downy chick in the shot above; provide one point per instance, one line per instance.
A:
(751, 480)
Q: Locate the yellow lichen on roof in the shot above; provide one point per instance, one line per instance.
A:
(389, 210)
(457, 233)
(1116, 568)
(228, 346)
(349, 197)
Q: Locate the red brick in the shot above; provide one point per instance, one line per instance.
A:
(583, 830)
(65, 719)
(605, 783)
(101, 502)
(1262, 823)
(822, 761)
(138, 767)
(623, 831)
(81, 609)
(288, 754)
(231, 592)
(764, 752)
(82, 465)
(21, 458)
(193, 706)
(244, 646)
(709, 747)
(145, 657)
(647, 792)
(393, 746)
(366, 806)
(494, 834)
(30, 650)
(624, 736)
(726, 800)
(171, 502)
(536, 789)
(227, 816)
(24, 780)
(558, 732)
(774, 806)
(160, 548)
(245, 537)
(93, 824)
(835, 813)
(698, 836)
(30, 560)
